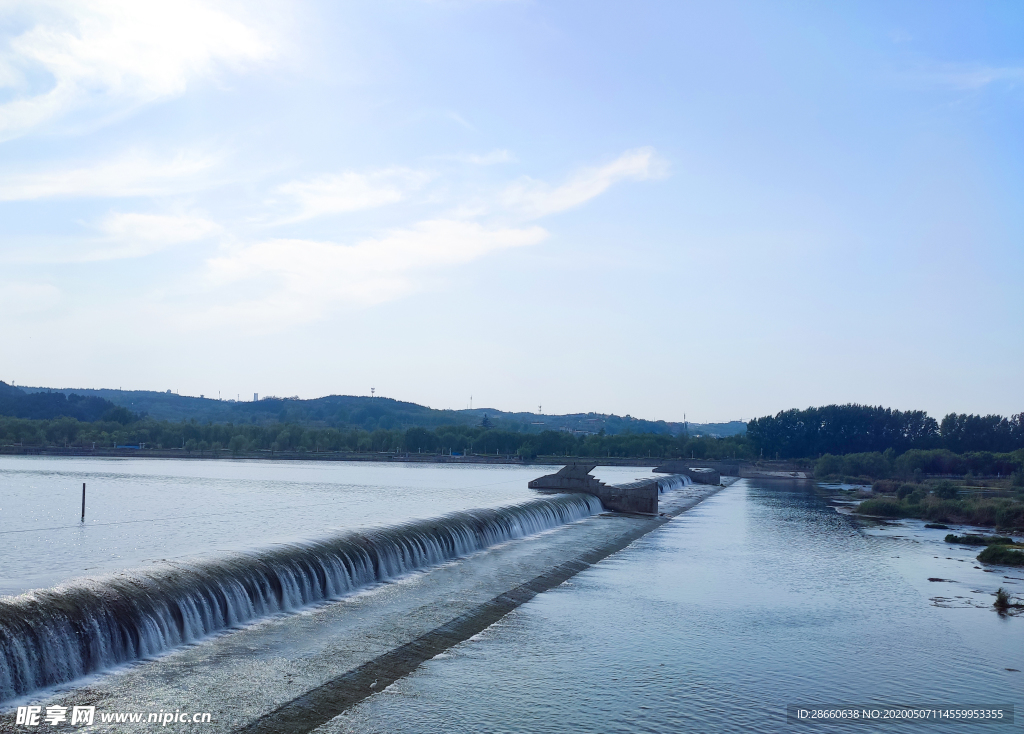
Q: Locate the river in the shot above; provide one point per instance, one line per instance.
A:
(761, 597)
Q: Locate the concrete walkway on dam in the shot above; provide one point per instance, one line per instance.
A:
(294, 673)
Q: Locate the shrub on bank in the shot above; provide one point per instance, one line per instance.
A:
(1002, 555)
(1000, 512)
(828, 466)
(969, 539)
(871, 465)
(905, 490)
(885, 486)
(883, 507)
(1005, 602)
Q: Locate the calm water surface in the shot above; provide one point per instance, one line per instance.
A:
(141, 511)
(760, 597)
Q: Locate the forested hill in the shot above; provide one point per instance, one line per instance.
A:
(46, 404)
(349, 411)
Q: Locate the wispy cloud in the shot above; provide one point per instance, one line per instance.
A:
(134, 173)
(280, 281)
(312, 276)
(486, 159)
(349, 191)
(970, 77)
(128, 235)
(114, 55)
(118, 236)
(536, 198)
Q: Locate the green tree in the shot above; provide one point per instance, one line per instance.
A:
(238, 444)
(419, 440)
(828, 466)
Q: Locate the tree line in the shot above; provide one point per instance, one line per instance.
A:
(851, 429)
(194, 437)
(835, 430)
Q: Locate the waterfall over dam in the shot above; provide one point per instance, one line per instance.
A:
(675, 481)
(56, 635)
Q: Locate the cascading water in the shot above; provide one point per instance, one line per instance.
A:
(56, 635)
(673, 481)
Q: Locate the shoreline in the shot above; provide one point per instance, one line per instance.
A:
(407, 458)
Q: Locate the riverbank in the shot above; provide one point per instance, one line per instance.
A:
(970, 513)
(1002, 513)
(993, 503)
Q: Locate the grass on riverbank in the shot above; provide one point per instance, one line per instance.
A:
(998, 512)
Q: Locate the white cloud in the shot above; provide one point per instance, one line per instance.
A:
(115, 55)
(536, 198)
(136, 235)
(135, 173)
(312, 276)
(350, 191)
(300, 279)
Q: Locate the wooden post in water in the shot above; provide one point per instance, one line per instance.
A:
(83, 501)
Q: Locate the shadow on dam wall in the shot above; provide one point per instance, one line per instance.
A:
(638, 497)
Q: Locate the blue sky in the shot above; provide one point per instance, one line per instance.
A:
(719, 209)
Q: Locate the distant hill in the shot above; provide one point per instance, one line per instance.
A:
(44, 404)
(718, 430)
(349, 411)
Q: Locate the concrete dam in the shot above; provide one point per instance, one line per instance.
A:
(318, 625)
(57, 635)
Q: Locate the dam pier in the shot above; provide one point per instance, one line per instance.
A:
(640, 496)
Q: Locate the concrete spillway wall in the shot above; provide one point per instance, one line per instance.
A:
(641, 496)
